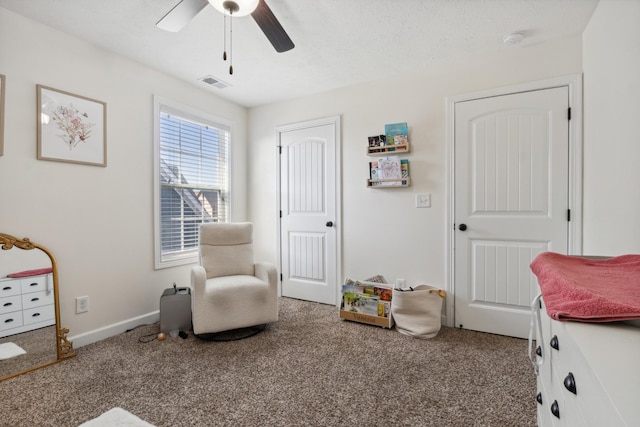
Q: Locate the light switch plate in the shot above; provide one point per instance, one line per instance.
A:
(423, 200)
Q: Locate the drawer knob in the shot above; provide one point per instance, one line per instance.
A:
(555, 409)
(35, 299)
(6, 288)
(8, 321)
(570, 383)
(539, 351)
(7, 304)
(539, 398)
(35, 315)
(554, 343)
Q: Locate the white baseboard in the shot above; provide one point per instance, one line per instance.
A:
(96, 335)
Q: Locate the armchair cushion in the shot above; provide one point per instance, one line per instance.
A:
(227, 249)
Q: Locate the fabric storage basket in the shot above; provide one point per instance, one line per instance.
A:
(417, 311)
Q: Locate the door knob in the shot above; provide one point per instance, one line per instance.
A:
(462, 227)
(329, 224)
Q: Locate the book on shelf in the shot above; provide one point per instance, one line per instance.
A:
(404, 167)
(377, 143)
(390, 168)
(374, 173)
(383, 293)
(384, 308)
(400, 139)
(396, 129)
(397, 133)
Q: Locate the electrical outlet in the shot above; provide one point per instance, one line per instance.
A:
(82, 304)
(423, 200)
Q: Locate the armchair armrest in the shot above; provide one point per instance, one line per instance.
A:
(267, 272)
(198, 279)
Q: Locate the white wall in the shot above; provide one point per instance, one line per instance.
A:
(383, 233)
(97, 221)
(612, 129)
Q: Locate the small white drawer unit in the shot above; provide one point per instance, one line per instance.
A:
(590, 375)
(26, 303)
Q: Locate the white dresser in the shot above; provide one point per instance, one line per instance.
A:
(590, 375)
(26, 304)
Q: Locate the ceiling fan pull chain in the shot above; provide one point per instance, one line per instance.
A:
(224, 48)
(230, 41)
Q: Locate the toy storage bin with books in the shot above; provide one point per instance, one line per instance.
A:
(367, 302)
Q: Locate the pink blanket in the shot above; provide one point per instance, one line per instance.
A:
(589, 290)
(28, 273)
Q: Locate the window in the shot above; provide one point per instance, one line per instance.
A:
(191, 178)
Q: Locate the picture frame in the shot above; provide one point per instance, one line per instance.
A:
(71, 128)
(3, 84)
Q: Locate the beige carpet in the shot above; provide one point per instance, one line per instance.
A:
(40, 348)
(309, 369)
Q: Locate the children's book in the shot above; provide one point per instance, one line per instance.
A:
(400, 139)
(368, 304)
(390, 168)
(396, 129)
(374, 173)
(377, 143)
(395, 133)
(404, 167)
(383, 293)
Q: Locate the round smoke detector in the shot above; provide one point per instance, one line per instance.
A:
(513, 38)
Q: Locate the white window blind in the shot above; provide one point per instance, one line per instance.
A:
(193, 169)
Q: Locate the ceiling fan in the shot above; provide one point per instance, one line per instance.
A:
(183, 12)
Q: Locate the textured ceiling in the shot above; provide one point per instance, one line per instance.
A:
(338, 42)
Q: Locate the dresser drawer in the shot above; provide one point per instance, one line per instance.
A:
(38, 314)
(564, 353)
(9, 288)
(10, 304)
(37, 299)
(10, 320)
(543, 400)
(34, 284)
(590, 404)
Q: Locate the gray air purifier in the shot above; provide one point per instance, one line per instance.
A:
(175, 310)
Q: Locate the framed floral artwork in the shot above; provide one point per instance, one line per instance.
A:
(2, 91)
(71, 128)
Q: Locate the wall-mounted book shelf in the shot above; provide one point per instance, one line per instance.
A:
(385, 150)
(389, 171)
(389, 182)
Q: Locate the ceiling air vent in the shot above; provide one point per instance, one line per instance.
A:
(214, 81)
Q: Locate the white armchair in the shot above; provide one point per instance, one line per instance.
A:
(228, 290)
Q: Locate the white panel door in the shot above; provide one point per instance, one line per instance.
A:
(308, 199)
(511, 203)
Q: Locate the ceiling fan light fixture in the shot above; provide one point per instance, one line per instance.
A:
(235, 8)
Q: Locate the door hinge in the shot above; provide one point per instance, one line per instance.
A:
(281, 277)
(279, 149)
(568, 214)
(280, 214)
(569, 114)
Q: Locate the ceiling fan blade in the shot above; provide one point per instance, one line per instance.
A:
(271, 28)
(181, 15)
